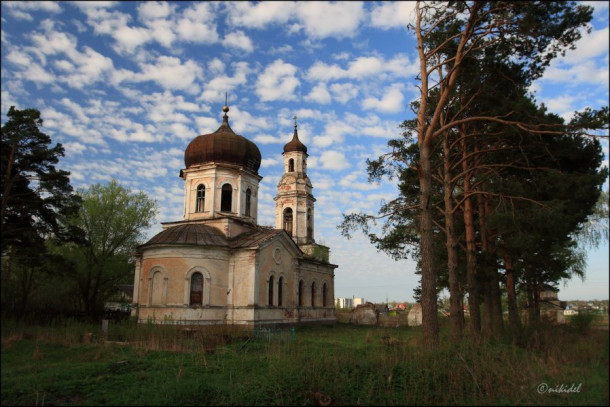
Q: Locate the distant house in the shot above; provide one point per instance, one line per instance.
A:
(551, 309)
(365, 314)
(121, 300)
(570, 311)
(401, 306)
(415, 315)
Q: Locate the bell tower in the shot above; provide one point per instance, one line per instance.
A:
(294, 202)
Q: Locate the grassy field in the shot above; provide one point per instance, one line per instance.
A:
(339, 365)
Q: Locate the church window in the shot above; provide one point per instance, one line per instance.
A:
(280, 283)
(288, 220)
(313, 294)
(291, 165)
(309, 227)
(248, 201)
(196, 289)
(226, 198)
(324, 289)
(200, 198)
(301, 287)
(271, 291)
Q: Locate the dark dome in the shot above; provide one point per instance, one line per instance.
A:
(295, 144)
(223, 146)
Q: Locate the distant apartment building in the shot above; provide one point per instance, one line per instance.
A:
(344, 303)
(349, 302)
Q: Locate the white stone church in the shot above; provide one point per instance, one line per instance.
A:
(217, 265)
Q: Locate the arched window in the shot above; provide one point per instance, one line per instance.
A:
(270, 291)
(288, 220)
(301, 287)
(158, 288)
(196, 289)
(200, 205)
(324, 295)
(313, 294)
(248, 201)
(226, 198)
(291, 165)
(280, 283)
(309, 224)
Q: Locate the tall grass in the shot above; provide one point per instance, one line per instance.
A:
(148, 364)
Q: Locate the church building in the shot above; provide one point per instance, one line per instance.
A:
(217, 265)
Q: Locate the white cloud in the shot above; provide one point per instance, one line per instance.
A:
(216, 66)
(163, 107)
(354, 181)
(20, 9)
(362, 68)
(325, 19)
(585, 72)
(269, 162)
(392, 102)
(168, 72)
(319, 94)
(284, 49)
(37, 74)
(239, 41)
(588, 63)
(155, 17)
(267, 139)
(258, 15)
(344, 92)
(154, 10)
(198, 23)
(277, 82)
(396, 14)
(333, 160)
(18, 57)
(74, 148)
(216, 87)
(591, 45)
(129, 38)
(54, 42)
(90, 67)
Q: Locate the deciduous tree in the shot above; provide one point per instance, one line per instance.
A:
(114, 220)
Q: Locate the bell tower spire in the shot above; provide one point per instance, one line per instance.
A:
(294, 202)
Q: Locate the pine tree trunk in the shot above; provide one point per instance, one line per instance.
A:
(531, 297)
(455, 307)
(493, 307)
(471, 262)
(513, 314)
(428, 273)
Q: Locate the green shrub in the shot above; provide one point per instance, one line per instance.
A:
(582, 322)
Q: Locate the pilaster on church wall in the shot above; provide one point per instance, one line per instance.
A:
(244, 278)
(137, 279)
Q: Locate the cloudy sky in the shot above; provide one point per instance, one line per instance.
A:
(125, 86)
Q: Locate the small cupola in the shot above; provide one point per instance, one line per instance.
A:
(295, 144)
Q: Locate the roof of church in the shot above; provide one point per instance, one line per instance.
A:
(223, 146)
(196, 234)
(199, 234)
(255, 237)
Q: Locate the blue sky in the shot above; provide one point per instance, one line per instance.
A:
(125, 86)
